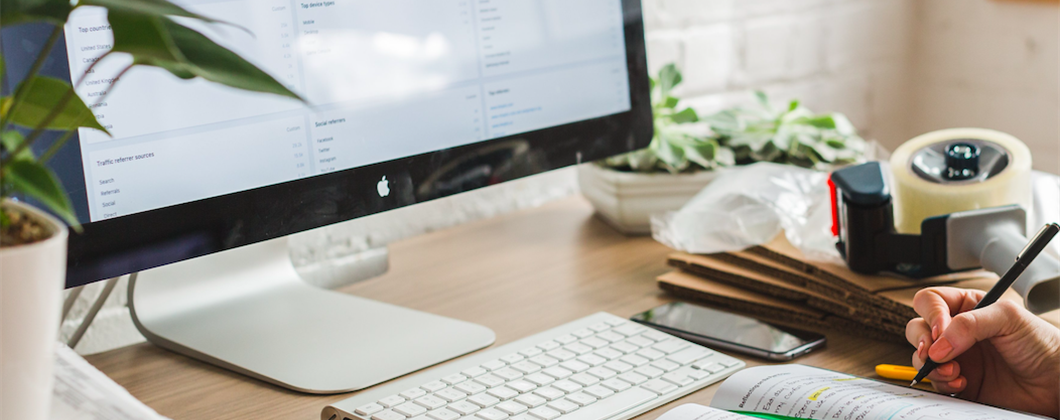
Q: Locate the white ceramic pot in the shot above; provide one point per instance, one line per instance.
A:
(626, 200)
(32, 278)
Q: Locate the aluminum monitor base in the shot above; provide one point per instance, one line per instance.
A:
(248, 311)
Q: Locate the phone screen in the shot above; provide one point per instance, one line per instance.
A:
(726, 326)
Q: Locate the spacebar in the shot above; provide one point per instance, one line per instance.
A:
(612, 405)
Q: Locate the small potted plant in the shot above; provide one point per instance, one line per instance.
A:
(688, 151)
(32, 241)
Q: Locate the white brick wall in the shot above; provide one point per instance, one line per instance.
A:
(895, 67)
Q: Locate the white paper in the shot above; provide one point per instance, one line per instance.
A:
(699, 412)
(82, 392)
(811, 393)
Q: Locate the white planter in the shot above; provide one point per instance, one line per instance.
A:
(32, 278)
(626, 200)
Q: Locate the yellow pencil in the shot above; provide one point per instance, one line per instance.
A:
(898, 372)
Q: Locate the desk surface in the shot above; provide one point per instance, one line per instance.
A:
(499, 273)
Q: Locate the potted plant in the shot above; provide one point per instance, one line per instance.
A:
(687, 152)
(33, 242)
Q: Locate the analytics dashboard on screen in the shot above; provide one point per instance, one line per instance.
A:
(383, 80)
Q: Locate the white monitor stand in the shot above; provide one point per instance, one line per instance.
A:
(247, 310)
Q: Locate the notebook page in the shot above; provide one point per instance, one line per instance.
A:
(699, 412)
(799, 391)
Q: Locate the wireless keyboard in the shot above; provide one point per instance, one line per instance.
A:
(600, 367)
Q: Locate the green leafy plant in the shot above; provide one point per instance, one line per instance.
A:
(685, 142)
(143, 29)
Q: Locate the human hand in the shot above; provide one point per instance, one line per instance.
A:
(1001, 355)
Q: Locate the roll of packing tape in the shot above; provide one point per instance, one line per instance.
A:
(931, 175)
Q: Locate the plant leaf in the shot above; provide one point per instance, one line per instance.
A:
(11, 139)
(688, 115)
(13, 12)
(34, 180)
(670, 102)
(669, 78)
(186, 53)
(43, 94)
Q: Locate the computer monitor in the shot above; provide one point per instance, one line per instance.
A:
(409, 100)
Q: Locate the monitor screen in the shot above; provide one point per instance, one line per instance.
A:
(407, 100)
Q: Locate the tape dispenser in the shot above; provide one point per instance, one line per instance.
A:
(959, 199)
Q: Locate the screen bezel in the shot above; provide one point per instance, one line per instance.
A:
(154, 238)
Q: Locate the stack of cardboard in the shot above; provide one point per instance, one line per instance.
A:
(774, 282)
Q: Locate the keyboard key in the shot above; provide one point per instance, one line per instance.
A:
(544, 413)
(430, 402)
(610, 407)
(490, 380)
(602, 372)
(434, 386)
(697, 374)
(600, 327)
(595, 343)
(388, 415)
(533, 400)
(584, 333)
(592, 359)
(575, 366)
(633, 378)
(413, 393)
(651, 354)
(512, 358)
(650, 371)
(549, 345)
(409, 409)
(659, 386)
(464, 407)
(615, 322)
(491, 414)
(665, 365)
(540, 379)
(526, 367)
(608, 353)
(634, 360)
(618, 366)
(511, 408)
(655, 335)
(578, 348)
(566, 386)
(503, 393)
(624, 347)
(391, 401)
(611, 337)
(566, 339)
(450, 395)
(531, 352)
(563, 406)
(671, 346)
(474, 372)
(508, 374)
(557, 372)
(550, 393)
(689, 355)
(454, 379)
(581, 398)
(599, 391)
(730, 362)
(522, 386)
(544, 361)
(561, 354)
(630, 329)
(493, 365)
(616, 385)
(524, 416)
(584, 379)
(639, 341)
(706, 366)
(368, 409)
(470, 388)
(483, 400)
(443, 414)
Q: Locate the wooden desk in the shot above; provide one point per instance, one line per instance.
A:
(517, 274)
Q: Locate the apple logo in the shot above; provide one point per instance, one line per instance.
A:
(383, 187)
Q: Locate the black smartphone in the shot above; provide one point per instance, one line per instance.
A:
(722, 330)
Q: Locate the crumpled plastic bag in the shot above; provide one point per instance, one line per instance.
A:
(750, 205)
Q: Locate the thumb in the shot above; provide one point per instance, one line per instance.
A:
(971, 327)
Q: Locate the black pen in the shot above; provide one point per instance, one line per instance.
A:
(1023, 259)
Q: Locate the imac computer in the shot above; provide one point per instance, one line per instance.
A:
(199, 185)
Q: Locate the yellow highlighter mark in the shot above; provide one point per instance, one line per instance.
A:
(818, 393)
(846, 379)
